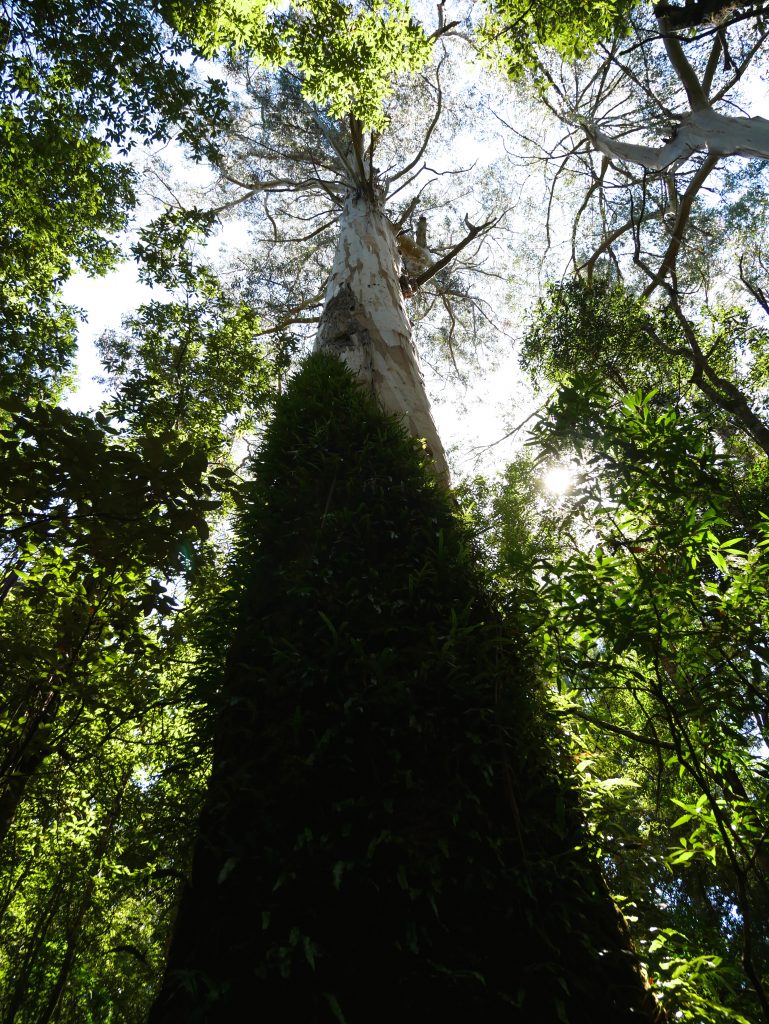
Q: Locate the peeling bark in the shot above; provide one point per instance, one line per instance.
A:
(365, 324)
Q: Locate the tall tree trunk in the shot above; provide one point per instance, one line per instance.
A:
(387, 835)
(23, 971)
(365, 323)
(26, 755)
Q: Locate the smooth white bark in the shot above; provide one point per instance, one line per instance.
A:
(700, 130)
(364, 320)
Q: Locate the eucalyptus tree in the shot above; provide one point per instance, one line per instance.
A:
(702, 126)
(321, 193)
(672, 74)
(389, 829)
(637, 199)
(676, 227)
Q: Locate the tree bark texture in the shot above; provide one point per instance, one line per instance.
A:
(365, 323)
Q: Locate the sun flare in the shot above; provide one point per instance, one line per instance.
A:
(558, 479)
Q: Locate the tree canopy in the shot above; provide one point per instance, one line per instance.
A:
(586, 179)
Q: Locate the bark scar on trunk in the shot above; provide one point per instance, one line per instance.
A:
(341, 326)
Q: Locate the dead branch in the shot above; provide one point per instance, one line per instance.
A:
(742, 67)
(474, 231)
(444, 28)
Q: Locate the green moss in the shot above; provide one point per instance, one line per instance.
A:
(386, 832)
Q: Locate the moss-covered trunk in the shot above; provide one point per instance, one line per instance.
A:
(387, 836)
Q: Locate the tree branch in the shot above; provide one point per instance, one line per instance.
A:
(654, 158)
(473, 232)
(686, 73)
(712, 65)
(650, 741)
(444, 27)
(723, 393)
(428, 133)
(686, 202)
(755, 289)
(743, 67)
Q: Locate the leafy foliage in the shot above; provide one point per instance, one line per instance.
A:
(94, 529)
(515, 29)
(651, 615)
(192, 365)
(60, 199)
(346, 54)
(75, 80)
(105, 526)
(713, 363)
(578, 327)
(387, 827)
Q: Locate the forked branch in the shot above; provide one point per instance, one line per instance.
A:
(412, 285)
